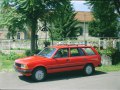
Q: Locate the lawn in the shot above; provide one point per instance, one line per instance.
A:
(109, 68)
(7, 62)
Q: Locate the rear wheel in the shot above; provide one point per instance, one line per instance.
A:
(88, 69)
(39, 74)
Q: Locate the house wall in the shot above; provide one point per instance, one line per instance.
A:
(3, 34)
(83, 17)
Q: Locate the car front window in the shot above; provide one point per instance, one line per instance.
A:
(47, 52)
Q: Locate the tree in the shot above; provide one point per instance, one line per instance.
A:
(64, 24)
(105, 18)
(11, 20)
(33, 10)
(116, 3)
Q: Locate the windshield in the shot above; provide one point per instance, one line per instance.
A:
(47, 52)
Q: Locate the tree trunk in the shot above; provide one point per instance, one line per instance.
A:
(33, 36)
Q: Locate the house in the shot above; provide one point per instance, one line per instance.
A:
(3, 33)
(83, 17)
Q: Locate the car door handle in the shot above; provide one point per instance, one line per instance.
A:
(67, 60)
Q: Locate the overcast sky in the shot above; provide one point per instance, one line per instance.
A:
(80, 6)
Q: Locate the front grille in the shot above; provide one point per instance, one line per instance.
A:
(18, 65)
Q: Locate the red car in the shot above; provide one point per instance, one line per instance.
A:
(59, 58)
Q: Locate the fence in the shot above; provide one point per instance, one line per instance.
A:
(25, 44)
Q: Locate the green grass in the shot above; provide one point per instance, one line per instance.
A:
(109, 68)
(6, 65)
(7, 61)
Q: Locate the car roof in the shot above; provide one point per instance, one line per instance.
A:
(69, 46)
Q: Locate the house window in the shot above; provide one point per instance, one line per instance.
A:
(18, 35)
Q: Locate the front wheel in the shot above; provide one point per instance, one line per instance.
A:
(39, 74)
(88, 69)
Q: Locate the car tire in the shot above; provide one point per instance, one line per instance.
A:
(88, 69)
(39, 74)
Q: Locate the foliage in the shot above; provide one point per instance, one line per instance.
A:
(116, 57)
(63, 24)
(32, 11)
(13, 56)
(105, 19)
(30, 53)
(7, 60)
(47, 43)
(11, 20)
(109, 51)
(113, 53)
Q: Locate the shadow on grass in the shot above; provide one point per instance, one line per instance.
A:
(61, 76)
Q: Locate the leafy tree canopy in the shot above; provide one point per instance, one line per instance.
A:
(63, 24)
(106, 17)
(30, 11)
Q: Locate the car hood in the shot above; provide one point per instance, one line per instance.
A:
(30, 59)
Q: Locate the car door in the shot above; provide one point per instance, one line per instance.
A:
(77, 58)
(61, 60)
(92, 57)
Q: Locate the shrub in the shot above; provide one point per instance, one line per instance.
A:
(13, 56)
(109, 51)
(46, 43)
(113, 53)
(116, 57)
(1, 53)
(30, 53)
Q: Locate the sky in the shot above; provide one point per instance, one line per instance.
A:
(80, 6)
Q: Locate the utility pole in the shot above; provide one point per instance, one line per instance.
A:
(84, 34)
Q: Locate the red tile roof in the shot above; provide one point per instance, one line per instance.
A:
(84, 16)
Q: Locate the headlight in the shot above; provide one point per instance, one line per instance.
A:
(24, 66)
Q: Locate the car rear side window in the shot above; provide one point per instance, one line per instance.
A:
(89, 51)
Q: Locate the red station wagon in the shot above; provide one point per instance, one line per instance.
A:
(59, 58)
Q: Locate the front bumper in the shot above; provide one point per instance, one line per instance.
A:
(23, 71)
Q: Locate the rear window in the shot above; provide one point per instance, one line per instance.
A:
(89, 51)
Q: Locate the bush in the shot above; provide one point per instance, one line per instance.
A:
(46, 43)
(1, 53)
(113, 53)
(30, 53)
(116, 57)
(109, 51)
(13, 56)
